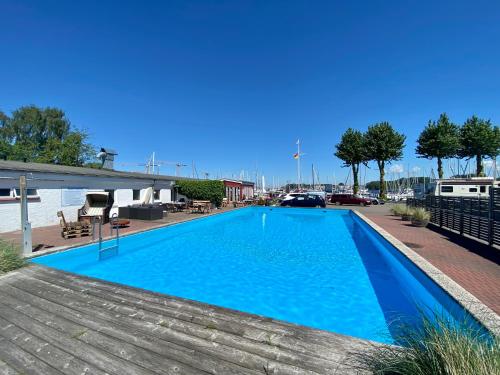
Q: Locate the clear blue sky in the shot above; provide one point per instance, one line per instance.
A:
(233, 84)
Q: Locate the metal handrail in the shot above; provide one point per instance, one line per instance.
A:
(117, 237)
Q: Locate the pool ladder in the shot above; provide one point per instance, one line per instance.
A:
(109, 251)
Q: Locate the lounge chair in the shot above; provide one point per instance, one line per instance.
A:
(98, 205)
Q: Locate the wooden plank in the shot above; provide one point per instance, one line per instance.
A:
(5, 369)
(220, 363)
(325, 339)
(162, 348)
(85, 352)
(157, 346)
(125, 350)
(23, 362)
(233, 327)
(203, 339)
(57, 358)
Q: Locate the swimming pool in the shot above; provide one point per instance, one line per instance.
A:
(320, 268)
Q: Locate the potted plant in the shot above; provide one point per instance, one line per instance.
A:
(398, 209)
(420, 217)
(407, 214)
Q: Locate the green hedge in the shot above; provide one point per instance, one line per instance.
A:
(207, 190)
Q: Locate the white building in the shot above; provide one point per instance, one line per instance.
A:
(53, 188)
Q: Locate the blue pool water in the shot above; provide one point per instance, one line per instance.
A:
(320, 268)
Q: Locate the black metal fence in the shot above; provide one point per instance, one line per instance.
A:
(476, 217)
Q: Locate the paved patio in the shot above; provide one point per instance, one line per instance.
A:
(472, 264)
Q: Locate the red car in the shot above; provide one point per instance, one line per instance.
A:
(350, 199)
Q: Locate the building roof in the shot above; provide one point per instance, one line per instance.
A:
(247, 183)
(16, 166)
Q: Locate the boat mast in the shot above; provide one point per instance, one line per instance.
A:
(312, 172)
(298, 164)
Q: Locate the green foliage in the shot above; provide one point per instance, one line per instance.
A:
(407, 213)
(210, 190)
(351, 150)
(10, 257)
(43, 135)
(420, 214)
(398, 209)
(383, 144)
(479, 138)
(439, 347)
(439, 140)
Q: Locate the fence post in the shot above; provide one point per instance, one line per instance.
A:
(461, 215)
(491, 217)
(440, 211)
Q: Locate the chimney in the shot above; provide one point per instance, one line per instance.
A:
(107, 156)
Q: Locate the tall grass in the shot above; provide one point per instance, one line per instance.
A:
(438, 347)
(421, 214)
(398, 209)
(10, 257)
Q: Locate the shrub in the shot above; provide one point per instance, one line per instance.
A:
(421, 214)
(407, 213)
(398, 209)
(209, 190)
(10, 257)
(438, 347)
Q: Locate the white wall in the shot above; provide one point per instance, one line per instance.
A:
(41, 212)
(165, 195)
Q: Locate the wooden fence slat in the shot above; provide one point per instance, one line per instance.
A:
(475, 217)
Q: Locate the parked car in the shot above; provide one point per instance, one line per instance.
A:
(350, 199)
(376, 201)
(303, 200)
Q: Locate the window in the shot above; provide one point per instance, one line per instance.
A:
(30, 192)
(136, 195)
(473, 190)
(157, 194)
(482, 189)
(446, 189)
(4, 193)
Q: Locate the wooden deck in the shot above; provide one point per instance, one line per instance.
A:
(52, 322)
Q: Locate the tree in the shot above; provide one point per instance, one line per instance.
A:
(383, 144)
(351, 150)
(4, 136)
(43, 135)
(439, 140)
(478, 139)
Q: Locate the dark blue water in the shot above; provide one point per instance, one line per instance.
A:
(320, 268)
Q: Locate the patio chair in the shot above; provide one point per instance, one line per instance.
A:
(98, 205)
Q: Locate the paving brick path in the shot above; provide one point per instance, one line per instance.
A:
(473, 265)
